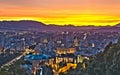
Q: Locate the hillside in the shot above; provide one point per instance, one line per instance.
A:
(106, 63)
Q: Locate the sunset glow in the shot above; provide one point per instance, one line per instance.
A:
(61, 12)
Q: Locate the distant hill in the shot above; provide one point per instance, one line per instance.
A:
(39, 26)
(25, 25)
(117, 25)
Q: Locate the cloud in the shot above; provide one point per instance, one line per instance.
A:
(57, 3)
(107, 21)
(57, 7)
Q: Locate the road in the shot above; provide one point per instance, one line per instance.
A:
(17, 58)
(12, 61)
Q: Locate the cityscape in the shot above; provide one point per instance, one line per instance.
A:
(52, 52)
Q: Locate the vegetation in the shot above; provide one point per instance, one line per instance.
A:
(5, 57)
(105, 63)
(13, 69)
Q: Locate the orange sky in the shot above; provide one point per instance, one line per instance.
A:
(77, 12)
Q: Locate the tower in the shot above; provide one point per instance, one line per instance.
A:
(76, 44)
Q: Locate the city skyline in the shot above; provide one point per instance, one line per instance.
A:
(61, 12)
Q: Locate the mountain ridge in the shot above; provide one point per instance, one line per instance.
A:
(39, 26)
(118, 24)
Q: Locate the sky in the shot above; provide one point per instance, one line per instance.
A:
(62, 12)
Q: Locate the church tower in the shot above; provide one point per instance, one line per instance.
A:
(76, 44)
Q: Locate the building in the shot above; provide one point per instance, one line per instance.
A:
(60, 51)
(76, 44)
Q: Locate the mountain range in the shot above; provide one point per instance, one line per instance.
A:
(39, 26)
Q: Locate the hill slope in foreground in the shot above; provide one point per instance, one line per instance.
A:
(106, 63)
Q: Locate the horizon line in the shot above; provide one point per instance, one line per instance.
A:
(90, 25)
